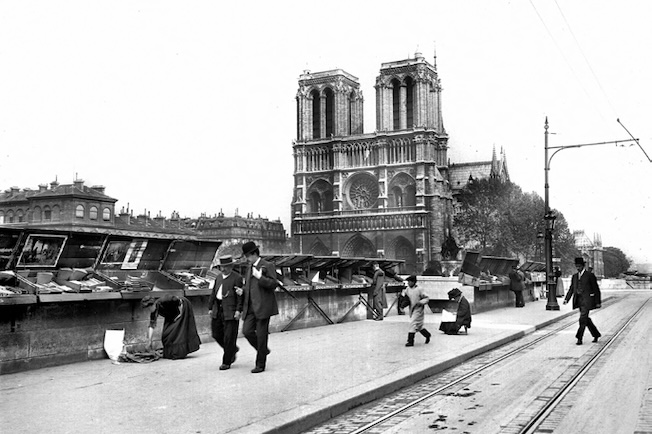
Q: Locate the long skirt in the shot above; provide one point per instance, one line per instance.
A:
(180, 337)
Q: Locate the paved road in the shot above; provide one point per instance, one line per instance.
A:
(311, 374)
(615, 397)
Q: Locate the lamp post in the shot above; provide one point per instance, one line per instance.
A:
(550, 278)
(550, 217)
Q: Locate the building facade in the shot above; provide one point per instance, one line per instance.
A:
(385, 194)
(74, 204)
(70, 206)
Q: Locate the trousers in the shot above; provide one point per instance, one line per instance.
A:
(585, 322)
(225, 333)
(256, 331)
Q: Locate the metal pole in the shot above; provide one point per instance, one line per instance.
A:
(550, 280)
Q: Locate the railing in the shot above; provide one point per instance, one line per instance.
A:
(351, 222)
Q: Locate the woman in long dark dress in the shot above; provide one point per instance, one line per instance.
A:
(179, 336)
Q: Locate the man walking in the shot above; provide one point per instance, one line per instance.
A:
(259, 302)
(225, 307)
(586, 295)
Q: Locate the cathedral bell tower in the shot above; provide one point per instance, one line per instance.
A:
(380, 194)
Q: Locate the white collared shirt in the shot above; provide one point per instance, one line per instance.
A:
(219, 291)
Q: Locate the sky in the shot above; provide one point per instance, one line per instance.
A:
(190, 106)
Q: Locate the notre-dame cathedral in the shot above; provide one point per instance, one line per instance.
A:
(387, 194)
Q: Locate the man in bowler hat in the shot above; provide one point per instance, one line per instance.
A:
(586, 295)
(224, 308)
(259, 302)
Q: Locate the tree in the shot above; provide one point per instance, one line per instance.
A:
(615, 262)
(498, 219)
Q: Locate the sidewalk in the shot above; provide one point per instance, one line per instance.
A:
(311, 374)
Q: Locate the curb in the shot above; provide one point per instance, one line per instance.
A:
(304, 417)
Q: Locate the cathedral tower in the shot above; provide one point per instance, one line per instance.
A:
(384, 194)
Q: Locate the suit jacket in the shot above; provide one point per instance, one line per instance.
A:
(259, 293)
(586, 288)
(231, 302)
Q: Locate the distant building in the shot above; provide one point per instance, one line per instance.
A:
(72, 204)
(387, 194)
(591, 250)
(65, 207)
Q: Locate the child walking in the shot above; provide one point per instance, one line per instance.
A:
(417, 302)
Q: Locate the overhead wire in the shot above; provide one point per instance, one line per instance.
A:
(597, 80)
(561, 52)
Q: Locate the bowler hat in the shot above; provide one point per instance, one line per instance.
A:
(579, 261)
(412, 278)
(454, 293)
(249, 247)
(226, 260)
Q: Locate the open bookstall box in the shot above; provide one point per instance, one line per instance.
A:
(143, 265)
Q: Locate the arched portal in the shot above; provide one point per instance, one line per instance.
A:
(359, 246)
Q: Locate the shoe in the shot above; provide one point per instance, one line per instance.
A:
(579, 342)
(257, 370)
(428, 340)
(409, 344)
(595, 338)
(235, 355)
(378, 319)
(225, 367)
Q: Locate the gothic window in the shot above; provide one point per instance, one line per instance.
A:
(396, 99)
(10, 216)
(47, 213)
(316, 114)
(20, 217)
(363, 191)
(106, 214)
(79, 211)
(93, 213)
(330, 106)
(409, 102)
(2, 217)
(397, 195)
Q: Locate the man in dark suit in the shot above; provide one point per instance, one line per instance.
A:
(224, 308)
(259, 302)
(586, 295)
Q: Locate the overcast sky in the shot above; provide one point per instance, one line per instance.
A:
(190, 106)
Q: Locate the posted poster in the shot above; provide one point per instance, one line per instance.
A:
(134, 253)
(42, 250)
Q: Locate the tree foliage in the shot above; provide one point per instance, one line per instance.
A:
(615, 262)
(498, 219)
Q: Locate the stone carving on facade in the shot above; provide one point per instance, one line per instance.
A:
(363, 191)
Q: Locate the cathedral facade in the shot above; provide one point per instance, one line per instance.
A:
(385, 194)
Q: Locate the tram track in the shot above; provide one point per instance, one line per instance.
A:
(389, 411)
(535, 424)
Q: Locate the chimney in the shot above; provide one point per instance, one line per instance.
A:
(79, 183)
(160, 221)
(14, 190)
(98, 188)
(54, 184)
(42, 188)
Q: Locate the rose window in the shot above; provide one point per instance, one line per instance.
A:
(363, 191)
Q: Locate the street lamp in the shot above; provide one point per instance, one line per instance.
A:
(552, 304)
(550, 217)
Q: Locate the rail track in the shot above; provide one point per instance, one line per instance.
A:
(384, 413)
